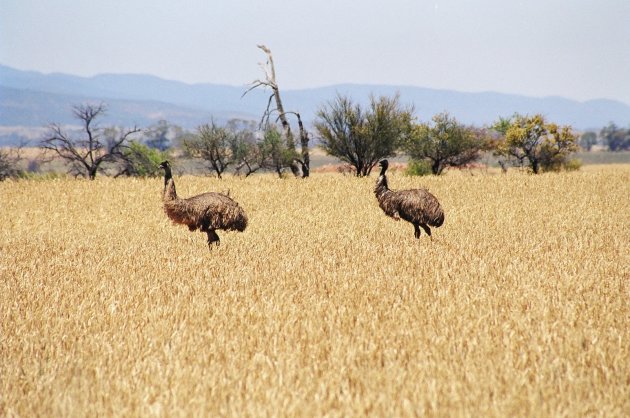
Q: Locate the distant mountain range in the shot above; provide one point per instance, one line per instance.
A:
(33, 99)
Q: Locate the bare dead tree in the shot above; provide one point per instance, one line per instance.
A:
(270, 82)
(305, 162)
(86, 154)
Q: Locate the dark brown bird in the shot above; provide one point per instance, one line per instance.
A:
(417, 206)
(206, 212)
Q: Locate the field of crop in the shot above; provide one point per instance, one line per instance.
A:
(519, 306)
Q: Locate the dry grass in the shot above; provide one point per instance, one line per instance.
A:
(323, 306)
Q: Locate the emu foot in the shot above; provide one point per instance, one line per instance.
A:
(425, 227)
(213, 238)
(427, 230)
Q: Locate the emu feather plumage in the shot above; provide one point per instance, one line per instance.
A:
(416, 206)
(206, 212)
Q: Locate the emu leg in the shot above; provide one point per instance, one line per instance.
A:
(212, 238)
(416, 231)
(426, 229)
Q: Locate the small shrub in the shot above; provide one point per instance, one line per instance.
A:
(418, 168)
(139, 160)
(9, 164)
(574, 164)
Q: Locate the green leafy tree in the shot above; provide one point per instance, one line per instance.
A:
(445, 143)
(214, 144)
(246, 150)
(248, 156)
(497, 135)
(587, 140)
(361, 137)
(617, 139)
(140, 160)
(273, 152)
(542, 145)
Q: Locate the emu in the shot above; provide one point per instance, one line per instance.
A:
(206, 212)
(416, 206)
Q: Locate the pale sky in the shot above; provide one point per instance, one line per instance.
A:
(579, 49)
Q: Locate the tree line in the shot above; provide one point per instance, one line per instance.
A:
(358, 135)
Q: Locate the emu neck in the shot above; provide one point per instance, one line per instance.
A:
(381, 186)
(169, 186)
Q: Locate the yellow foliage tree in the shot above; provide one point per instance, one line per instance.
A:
(543, 145)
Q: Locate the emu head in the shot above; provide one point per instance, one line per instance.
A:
(383, 164)
(167, 171)
(381, 182)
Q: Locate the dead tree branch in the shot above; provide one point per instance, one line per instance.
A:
(86, 154)
(270, 81)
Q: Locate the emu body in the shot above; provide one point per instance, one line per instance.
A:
(416, 206)
(206, 212)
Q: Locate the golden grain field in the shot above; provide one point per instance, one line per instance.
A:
(519, 306)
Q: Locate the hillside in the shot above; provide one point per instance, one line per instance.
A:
(32, 99)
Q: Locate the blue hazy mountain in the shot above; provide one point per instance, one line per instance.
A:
(29, 98)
